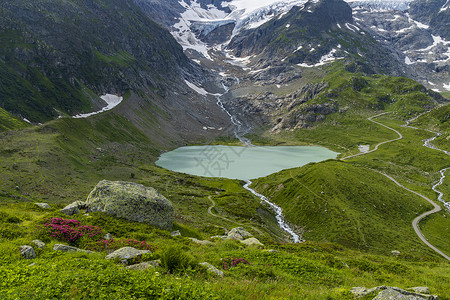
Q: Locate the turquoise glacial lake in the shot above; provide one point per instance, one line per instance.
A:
(243, 163)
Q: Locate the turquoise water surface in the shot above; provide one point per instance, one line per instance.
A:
(244, 163)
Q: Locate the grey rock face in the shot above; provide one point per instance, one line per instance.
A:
(126, 253)
(133, 202)
(27, 252)
(211, 269)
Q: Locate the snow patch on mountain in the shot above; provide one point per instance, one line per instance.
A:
(447, 86)
(111, 102)
(326, 59)
(244, 13)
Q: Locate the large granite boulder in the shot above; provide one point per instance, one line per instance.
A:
(133, 202)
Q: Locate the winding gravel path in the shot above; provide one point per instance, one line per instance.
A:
(416, 221)
(400, 136)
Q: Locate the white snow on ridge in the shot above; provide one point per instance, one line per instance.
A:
(447, 86)
(244, 13)
(111, 101)
(327, 58)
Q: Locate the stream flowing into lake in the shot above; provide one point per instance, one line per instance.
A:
(427, 143)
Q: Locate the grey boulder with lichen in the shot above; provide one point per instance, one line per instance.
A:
(133, 202)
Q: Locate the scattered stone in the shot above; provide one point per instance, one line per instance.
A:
(390, 293)
(133, 202)
(108, 236)
(144, 265)
(211, 269)
(271, 251)
(175, 233)
(38, 243)
(33, 264)
(239, 233)
(27, 252)
(73, 208)
(223, 237)
(126, 253)
(395, 253)
(43, 205)
(252, 242)
(204, 242)
(420, 289)
(65, 248)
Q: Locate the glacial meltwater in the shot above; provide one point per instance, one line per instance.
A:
(244, 163)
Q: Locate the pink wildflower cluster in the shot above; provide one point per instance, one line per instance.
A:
(68, 230)
(113, 244)
(231, 262)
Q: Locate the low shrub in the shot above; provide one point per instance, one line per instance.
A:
(231, 262)
(70, 231)
(11, 231)
(174, 260)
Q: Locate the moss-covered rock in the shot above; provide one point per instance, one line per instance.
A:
(133, 202)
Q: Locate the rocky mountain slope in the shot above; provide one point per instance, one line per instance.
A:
(57, 58)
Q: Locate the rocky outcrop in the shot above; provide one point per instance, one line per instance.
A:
(389, 293)
(211, 269)
(126, 254)
(27, 252)
(133, 202)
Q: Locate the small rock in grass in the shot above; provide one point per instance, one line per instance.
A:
(144, 265)
(238, 233)
(126, 253)
(43, 205)
(252, 242)
(211, 269)
(175, 233)
(395, 253)
(108, 236)
(38, 243)
(201, 242)
(73, 208)
(223, 237)
(65, 248)
(27, 252)
(271, 251)
(421, 289)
